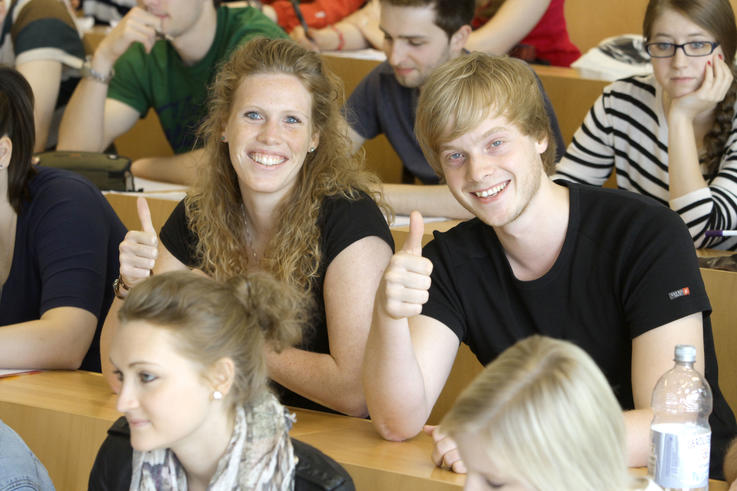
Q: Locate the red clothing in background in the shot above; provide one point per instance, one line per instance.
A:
(317, 14)
(549, 36)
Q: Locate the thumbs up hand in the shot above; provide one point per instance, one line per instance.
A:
(139, 249)
(406, 282)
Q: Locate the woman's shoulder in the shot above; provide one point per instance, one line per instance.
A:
(58, 185)
(642, 87)
(353, 201)
(348, 217)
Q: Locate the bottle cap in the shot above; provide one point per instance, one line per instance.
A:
(685, 353)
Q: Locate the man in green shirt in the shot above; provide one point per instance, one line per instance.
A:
(162, 55)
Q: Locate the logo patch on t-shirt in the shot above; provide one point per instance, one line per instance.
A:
(679, 293)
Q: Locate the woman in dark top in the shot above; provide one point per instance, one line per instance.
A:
(58, 249)
(280, 192)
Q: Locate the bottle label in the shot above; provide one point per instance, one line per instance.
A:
(679, 455)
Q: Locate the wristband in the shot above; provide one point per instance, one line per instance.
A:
(341, 38)
(86, 71)
(120, 289)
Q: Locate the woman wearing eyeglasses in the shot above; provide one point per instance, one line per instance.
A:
(671, 135)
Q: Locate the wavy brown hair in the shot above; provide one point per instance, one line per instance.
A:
(716, 17)
(215, 206)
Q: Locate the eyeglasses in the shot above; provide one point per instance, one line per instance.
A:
(694, 48)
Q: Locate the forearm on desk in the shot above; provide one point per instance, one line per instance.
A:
(318, 377)
(177, 169)
(58, 340)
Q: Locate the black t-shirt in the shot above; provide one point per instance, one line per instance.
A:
(341, 222)
(66, 253)
(627, 265)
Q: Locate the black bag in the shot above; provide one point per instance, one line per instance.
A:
(315, 471)
(109, 172)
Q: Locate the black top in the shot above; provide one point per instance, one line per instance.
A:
(342, 222)
(66, 253)
(627, 265)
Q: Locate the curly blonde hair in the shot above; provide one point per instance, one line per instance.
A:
(215, 207)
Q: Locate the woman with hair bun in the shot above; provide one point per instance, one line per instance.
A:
(189, 356)
(672, 135)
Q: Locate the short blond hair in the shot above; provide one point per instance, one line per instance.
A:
(541, 406)
(460, 94)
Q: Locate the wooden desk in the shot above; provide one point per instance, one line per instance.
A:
(126, 208)
(589, 22)
(63, 416)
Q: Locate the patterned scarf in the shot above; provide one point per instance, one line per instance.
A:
(259, 455)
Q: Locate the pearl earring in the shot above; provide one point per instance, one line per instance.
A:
(217, 395)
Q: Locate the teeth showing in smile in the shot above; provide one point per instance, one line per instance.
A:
(491, 191)
(266, 159)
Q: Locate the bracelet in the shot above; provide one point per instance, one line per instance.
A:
(120, 289)
(341, 38)
(86, 71)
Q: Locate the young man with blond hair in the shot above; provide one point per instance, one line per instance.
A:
(613, 272)
(419, 36)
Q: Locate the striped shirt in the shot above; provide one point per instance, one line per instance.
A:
(627, 129)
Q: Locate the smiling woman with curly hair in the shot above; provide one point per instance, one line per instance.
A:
(280, 192)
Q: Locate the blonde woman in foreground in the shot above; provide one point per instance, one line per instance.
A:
(542, 416)
(189, 356)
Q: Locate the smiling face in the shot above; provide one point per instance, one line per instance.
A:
(679, 75)
(482, 473)
(163, 395)
(269, 132)
(494, 170)
(414, 45)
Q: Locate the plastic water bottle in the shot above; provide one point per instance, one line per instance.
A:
(680, 436)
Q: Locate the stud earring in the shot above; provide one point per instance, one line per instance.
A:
(312, 149)
(222, 138)
(217, 395)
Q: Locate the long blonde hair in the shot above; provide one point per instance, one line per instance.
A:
(542, 405)
(215, 206)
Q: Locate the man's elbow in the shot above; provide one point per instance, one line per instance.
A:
(394, 432)
(395, 427)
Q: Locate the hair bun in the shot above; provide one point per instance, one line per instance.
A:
(275, 306)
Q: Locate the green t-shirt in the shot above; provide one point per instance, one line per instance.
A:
(177, 92)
